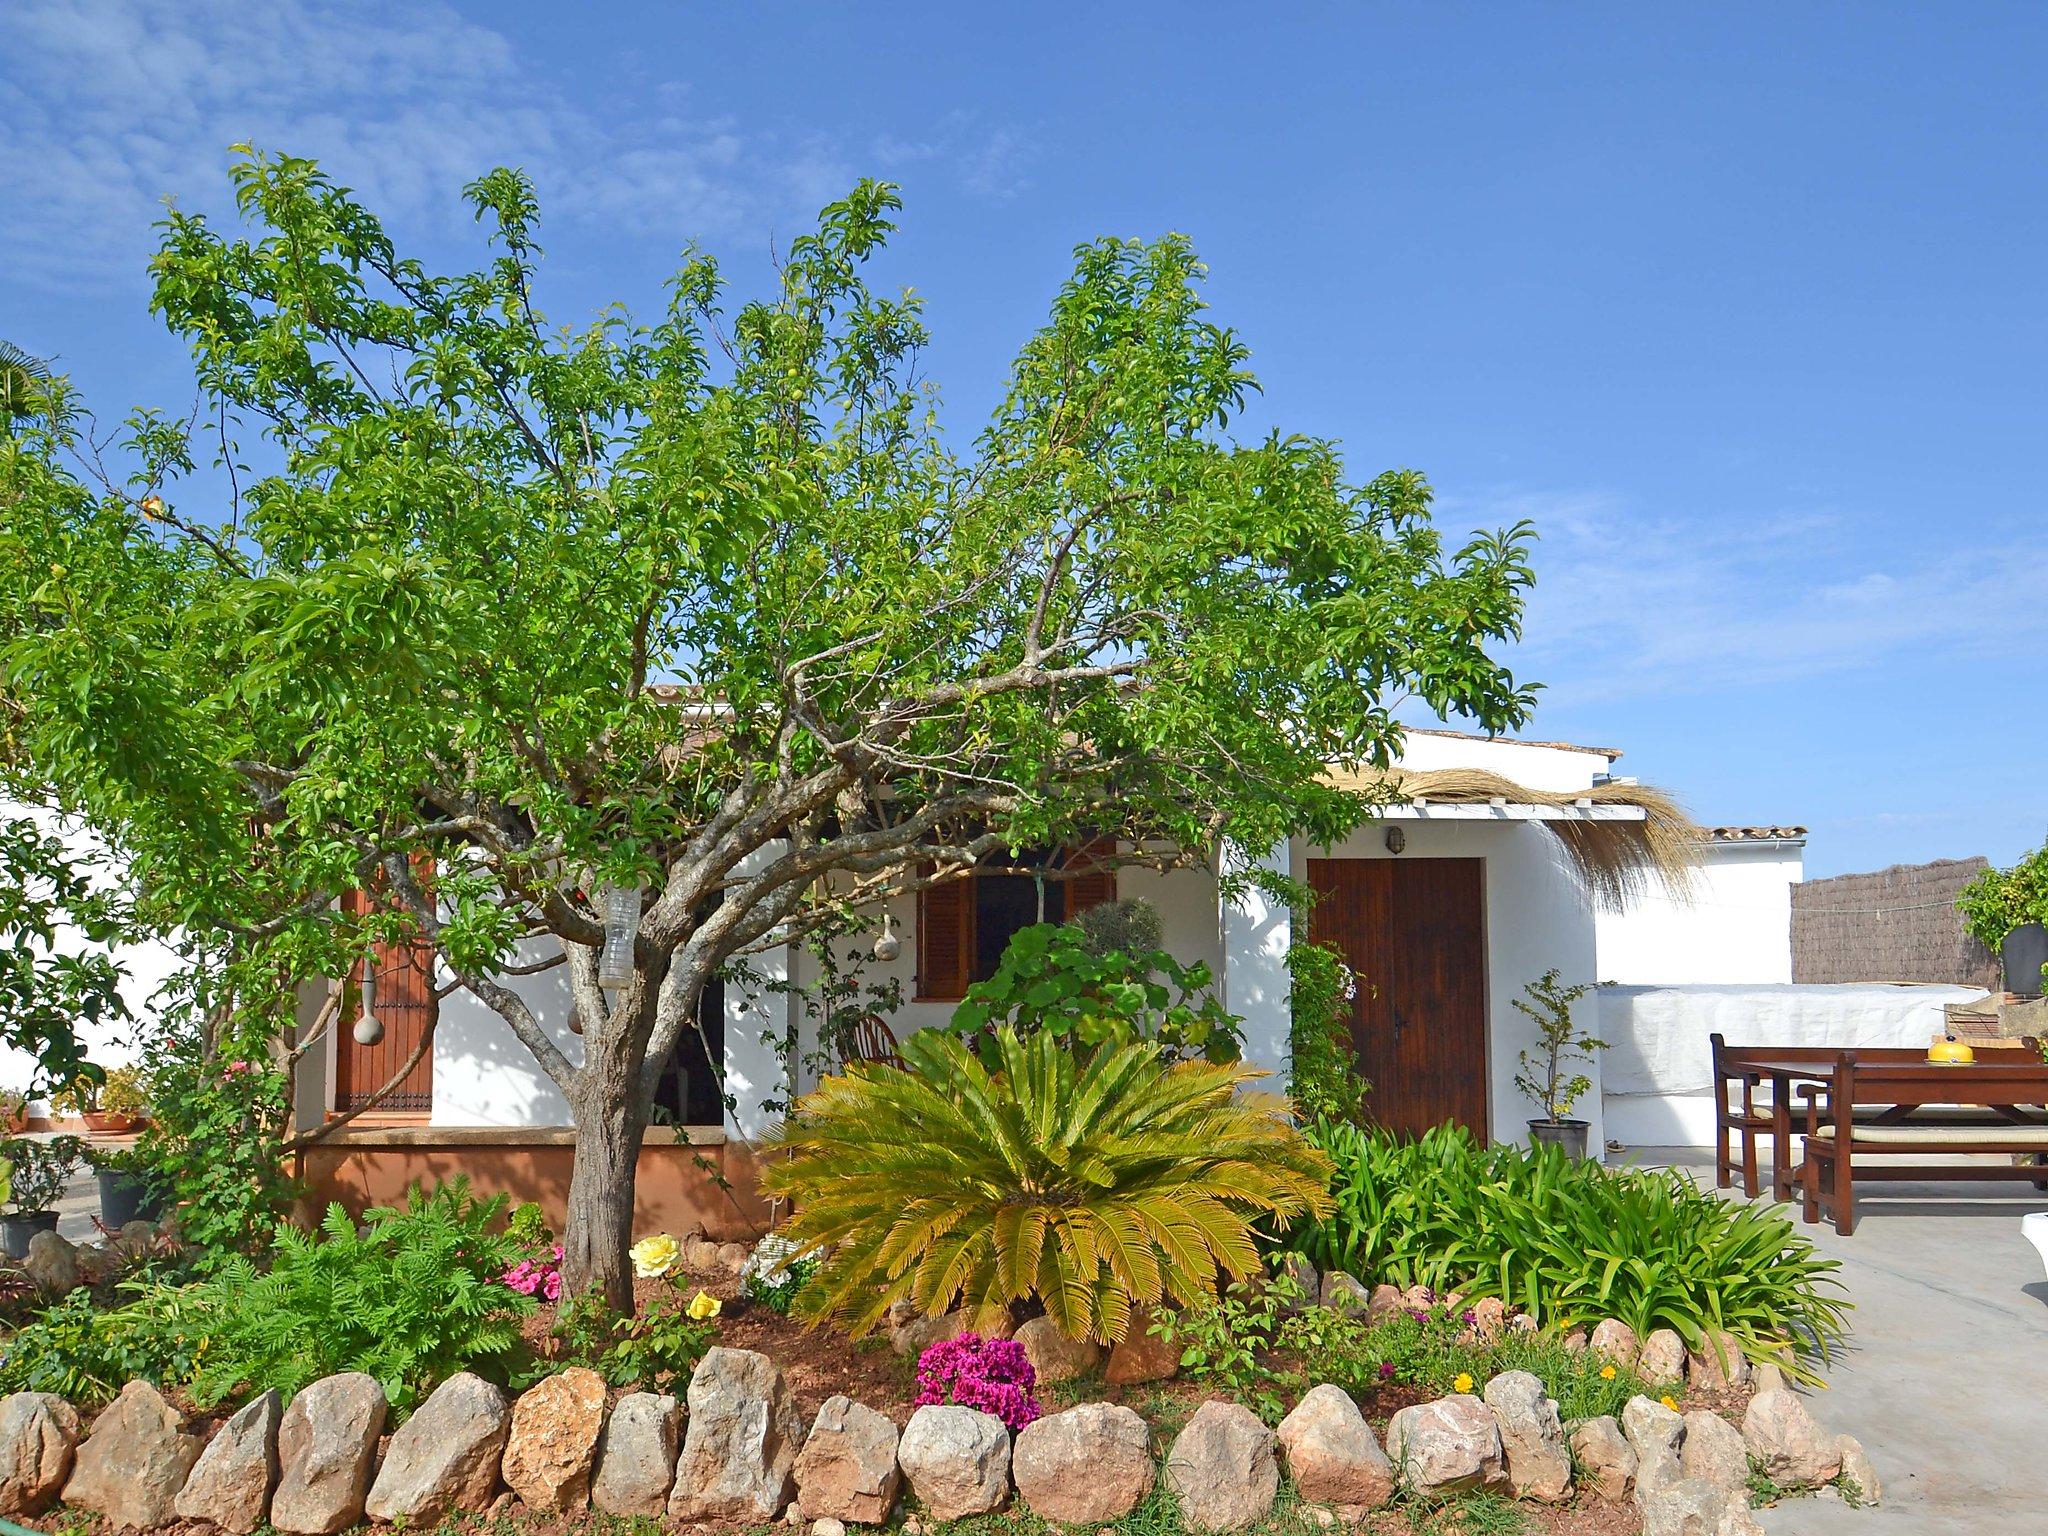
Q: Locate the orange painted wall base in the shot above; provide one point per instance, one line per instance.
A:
(672, 1191)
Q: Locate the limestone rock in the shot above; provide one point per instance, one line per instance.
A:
(741, 1440)
(1385, 1303)
(1449, 1446)
(1576, 1342)
(1332, 1454)
(1306, 1282)
(1655, 1434)
(700, 1254)
(132, 1465)
(1661, 1361)
(847, 1468)
(636, 1455)
(1054, 1356)
(1141, 1355)
(1489, 1318)
(1616, 1343)
(326, 1448)
(552, 1446)
(1341, 1293)
(1689, 1506)
(1531, 1435)
(1766, 1377)
(1222, 1469)
(916, 1334)
(231, 1483)
(1605, 1456)
(1713, 1452)
(1718, 1363)
(1781, 1434)
(825, 1525)
(1091, 1464)
(957, 1460)
(38, 1438)
(51, 1264)
(1856, 1468)
(445, 1458)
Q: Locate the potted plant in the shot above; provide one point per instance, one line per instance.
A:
(1546, 1076)
(37, 1173)
(129, 1187)
(2006, 910)
(114, 1105)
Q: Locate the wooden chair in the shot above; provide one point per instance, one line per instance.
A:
(870, 1040)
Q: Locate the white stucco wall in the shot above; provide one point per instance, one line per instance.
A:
(144, 967)
(1537, 916)
(1736, 929)
(483, 1074)
(1659, 1067)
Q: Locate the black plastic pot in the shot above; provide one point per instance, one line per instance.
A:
(16, 1229)
(124, 1198)
(2023, 953)
(1569, 1134)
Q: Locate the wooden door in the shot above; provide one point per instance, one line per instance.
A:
(1414, 931)
(404, 1002)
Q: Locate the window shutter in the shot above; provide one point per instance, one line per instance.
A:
(1092, 890)
(945, 940)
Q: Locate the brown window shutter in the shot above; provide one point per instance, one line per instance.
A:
(945, 940)
(1085, 891)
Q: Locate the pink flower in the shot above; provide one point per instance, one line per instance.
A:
(994, 1375)
(1386, 1370)
(552, 1286)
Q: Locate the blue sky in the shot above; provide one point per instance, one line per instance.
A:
(1742, 306)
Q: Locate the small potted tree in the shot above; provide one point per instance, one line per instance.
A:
(1547, 1076)
(37, 1173)
(130, 1189)
(2006, 910)
(113, 1105)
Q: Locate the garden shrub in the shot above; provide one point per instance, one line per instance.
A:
(1093, 1185)
(86, 1351)
(1570, 1242)
(1257, 1343)
(993, 1375)
(1322, 1069)
(655, 1350)
(1051, 980)
(411, 1298)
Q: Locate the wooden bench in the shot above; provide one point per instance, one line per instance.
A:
(1887, 1109)
(1744, 1109)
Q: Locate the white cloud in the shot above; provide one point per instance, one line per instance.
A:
(1628, 605)
(108, 107)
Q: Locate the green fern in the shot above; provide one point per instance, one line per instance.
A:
(1095, 1185)
(411, 1297)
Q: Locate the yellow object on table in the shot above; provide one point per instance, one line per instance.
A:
(1950, 1052)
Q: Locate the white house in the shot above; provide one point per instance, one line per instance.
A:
(1446, 907)
(1734, 927)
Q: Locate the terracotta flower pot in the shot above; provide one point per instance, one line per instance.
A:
(110, 1122)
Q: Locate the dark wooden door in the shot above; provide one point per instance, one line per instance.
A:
(1414, 931)
(402, 995)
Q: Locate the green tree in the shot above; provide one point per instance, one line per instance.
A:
(710, 605)
(23, 379)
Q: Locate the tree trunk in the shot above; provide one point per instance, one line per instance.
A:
(610, 1107)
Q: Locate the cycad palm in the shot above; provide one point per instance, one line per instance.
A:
(23, 377)
(1094, 1184)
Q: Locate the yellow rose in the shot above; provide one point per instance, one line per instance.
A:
(656, 1255)
(1464, 1382)
(704, 1304)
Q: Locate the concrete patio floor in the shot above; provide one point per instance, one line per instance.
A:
(1945, 1380)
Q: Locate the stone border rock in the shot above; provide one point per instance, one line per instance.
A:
(313, 1467)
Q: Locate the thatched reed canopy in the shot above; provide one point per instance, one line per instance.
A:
(1620, 859)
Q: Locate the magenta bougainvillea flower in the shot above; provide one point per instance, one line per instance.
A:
(993, 1375)
(536, 1277)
